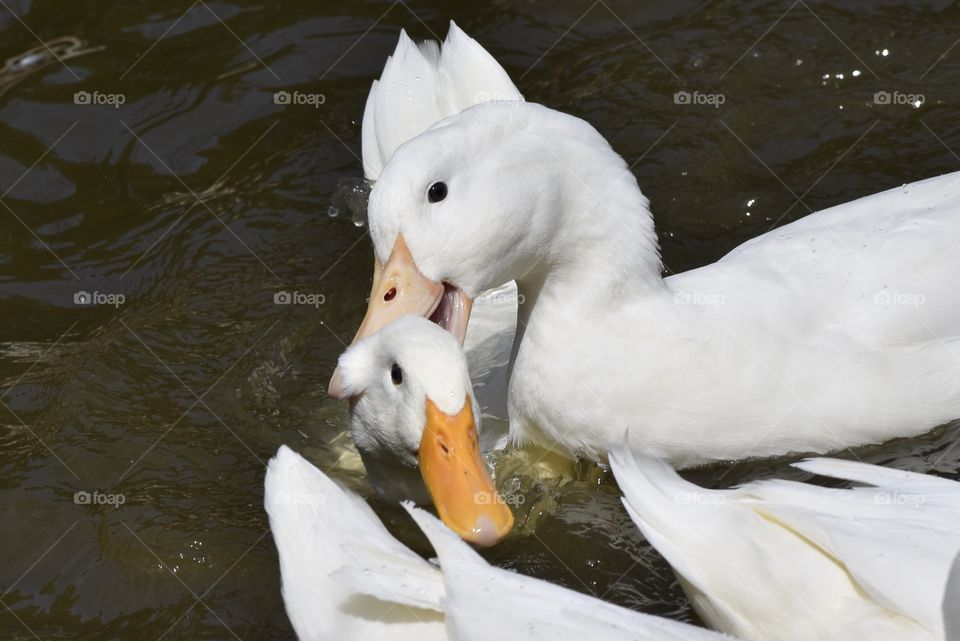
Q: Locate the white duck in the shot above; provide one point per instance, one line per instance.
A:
(786, 561)
(345, 577)
(415, 422)
(840, 329)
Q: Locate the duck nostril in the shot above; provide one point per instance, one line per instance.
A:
(390, 295)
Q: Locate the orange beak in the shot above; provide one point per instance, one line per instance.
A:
(399, 289)
(457, 478)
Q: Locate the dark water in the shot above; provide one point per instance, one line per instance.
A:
(198, 198)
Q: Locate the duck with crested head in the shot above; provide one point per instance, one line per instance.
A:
(793, 342)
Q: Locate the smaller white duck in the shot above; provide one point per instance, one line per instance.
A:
(786, 561)
(345, 577)
(415, 421)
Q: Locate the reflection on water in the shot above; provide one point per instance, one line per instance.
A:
(152, 163)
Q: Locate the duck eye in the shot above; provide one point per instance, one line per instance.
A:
(437, 192)
(396, 374)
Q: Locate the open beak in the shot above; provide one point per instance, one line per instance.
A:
(399, 289)
(457, 478)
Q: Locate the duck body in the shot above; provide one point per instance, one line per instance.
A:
(786, 561)
(840, 329)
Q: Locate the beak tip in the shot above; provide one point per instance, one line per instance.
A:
(486, 533)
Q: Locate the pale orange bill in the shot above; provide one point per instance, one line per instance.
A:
(457, 477)
(398, 289)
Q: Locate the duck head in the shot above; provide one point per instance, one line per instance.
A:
(412, 407)
(502, 191)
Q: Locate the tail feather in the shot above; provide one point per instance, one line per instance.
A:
(879, 476)
(476, 609)
(669, 509)
(869, 531)
(422, 84)
(321, 530)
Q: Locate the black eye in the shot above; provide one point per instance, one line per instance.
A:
(396, 374)
(437, 192)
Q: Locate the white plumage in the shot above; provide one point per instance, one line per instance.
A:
(786, 561)
(345, 577)
(422, 84)
(313, 520)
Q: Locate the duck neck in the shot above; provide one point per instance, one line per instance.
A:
(604, 253)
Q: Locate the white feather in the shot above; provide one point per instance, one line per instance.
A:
(422, 84)
(797, 559)
(484, 602)
(345, 577)
(312, 520)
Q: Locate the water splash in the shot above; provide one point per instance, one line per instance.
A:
(351, 197)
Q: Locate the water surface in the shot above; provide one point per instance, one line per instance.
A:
(180, 184)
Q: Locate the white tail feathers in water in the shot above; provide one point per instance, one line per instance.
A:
(345, 577)
(879, 555)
